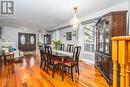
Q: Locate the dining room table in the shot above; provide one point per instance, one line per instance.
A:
(61, 53)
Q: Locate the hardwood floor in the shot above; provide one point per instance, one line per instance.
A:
(26, 73)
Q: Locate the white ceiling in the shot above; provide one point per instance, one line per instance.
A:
(48, 14)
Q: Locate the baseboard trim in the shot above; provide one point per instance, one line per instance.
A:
(88, 61)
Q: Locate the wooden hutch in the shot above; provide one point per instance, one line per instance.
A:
(108, 26)
(47, 39)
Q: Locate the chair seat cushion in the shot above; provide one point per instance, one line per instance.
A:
(70, 63)
(57, 60)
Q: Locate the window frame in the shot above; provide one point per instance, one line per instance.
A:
(94, 35)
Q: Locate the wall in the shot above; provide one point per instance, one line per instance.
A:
(62, 36)
(11, 34)
(0, 39)
(41, 34)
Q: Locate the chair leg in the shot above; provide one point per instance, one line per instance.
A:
(72, 73)
(47, 65)
(44, 65)
(41, 63)
(53, 71)
(58, 66)
(68, 70)
(78, 69)
(62, 70)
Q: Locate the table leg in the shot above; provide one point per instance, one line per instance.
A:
(62, 69)
(4, 59)
(62, 72)
(13, 57)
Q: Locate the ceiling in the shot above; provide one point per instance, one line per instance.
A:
(48, 14)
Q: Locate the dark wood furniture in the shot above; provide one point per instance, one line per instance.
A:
(70, 48)
(59, 60)
(108, 26)
(52, 59)
(47, 39)
(43, 58)
(62, 46)
(8, 56)
(72, 62)
(26, 41)
(1, 32)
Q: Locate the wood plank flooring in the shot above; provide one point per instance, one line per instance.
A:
(27, 73)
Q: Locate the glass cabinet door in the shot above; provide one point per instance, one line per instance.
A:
(97, 39)
(106, 36)
(101, 38)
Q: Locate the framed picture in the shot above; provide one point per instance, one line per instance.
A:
(68, 35)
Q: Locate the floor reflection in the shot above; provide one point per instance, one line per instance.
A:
(29, 74)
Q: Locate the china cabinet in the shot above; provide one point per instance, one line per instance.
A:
(108, 26)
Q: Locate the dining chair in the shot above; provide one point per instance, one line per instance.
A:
(72, 62)
(62, 47)
(52, 60)
(70, 48)
(43, 58)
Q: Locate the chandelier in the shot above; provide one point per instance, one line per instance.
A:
(75, 22)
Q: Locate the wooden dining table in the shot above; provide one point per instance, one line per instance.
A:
(62, 53)
(9, 54)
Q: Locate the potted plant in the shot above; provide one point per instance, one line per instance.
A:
(56, 44)
(40, 45)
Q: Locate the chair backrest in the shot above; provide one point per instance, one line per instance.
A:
(48, 51)
(76, 53)
(62, 47)
(42, 52)
(70, 48)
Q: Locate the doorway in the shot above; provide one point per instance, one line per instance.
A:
(26, 42)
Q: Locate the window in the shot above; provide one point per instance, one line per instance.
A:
(89, 37)
(53, 35)
(40, 37)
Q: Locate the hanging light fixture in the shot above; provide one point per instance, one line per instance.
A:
(75, 22)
